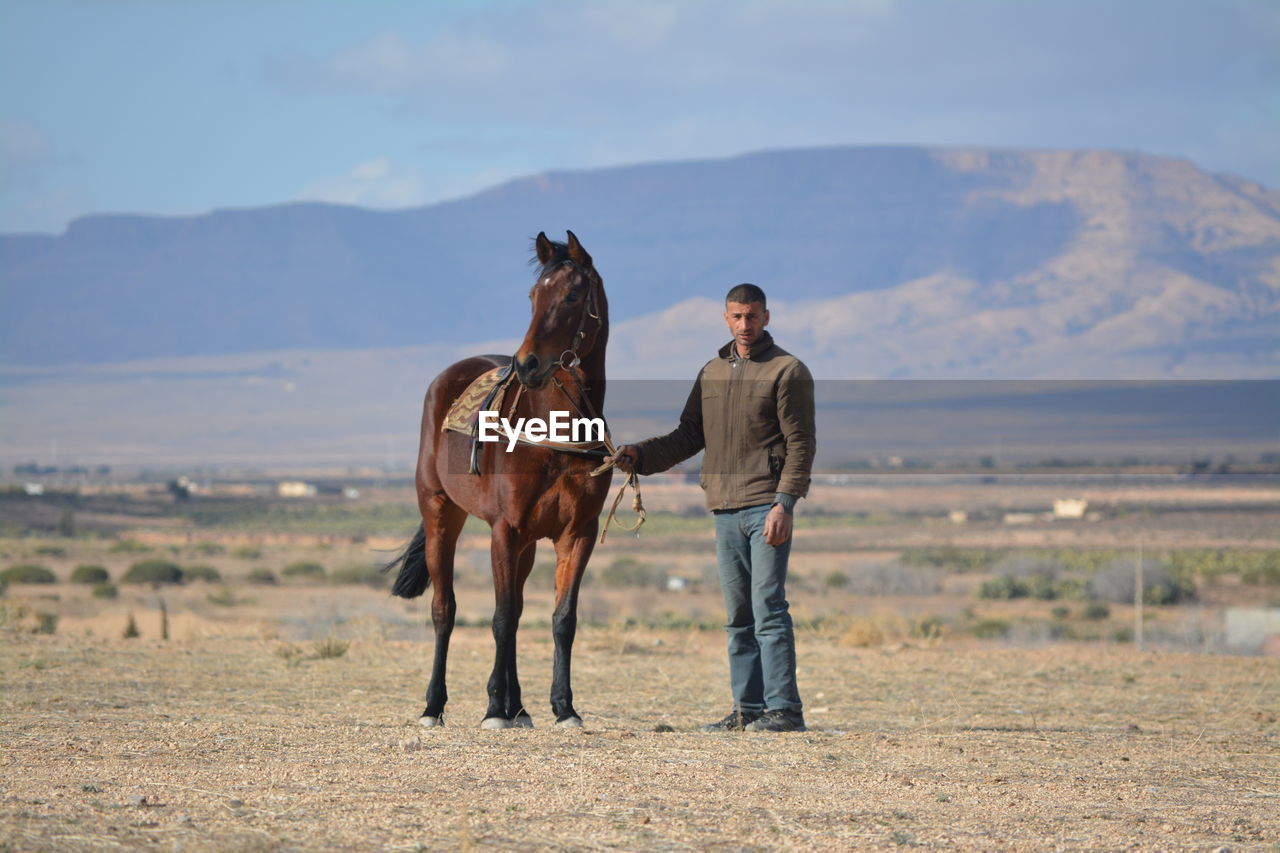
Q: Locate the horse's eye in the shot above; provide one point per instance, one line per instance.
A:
(570, 298)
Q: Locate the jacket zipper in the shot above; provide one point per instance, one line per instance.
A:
(737, 368)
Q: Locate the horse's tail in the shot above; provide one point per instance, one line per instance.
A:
(413, 579)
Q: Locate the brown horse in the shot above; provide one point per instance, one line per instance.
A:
(526, 493)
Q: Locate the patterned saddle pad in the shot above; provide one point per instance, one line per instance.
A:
(484, 392)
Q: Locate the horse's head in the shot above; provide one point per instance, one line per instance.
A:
(570, 314)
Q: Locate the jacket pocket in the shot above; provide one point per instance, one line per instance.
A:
(777, 460)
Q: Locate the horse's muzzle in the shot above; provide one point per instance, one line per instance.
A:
(531, 372)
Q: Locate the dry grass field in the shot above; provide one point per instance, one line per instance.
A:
(280, 711)
(231, 736)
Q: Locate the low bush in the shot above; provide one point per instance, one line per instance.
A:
(1096, 611)
(991, 629)
(953, 558)
(208, 549)
(1115, 583)
(358, 575)
(156, 571)
(837, 580)
(247, 552)
(262, 577)
(202, 572)
(303, 569)
(87, 574)
(330, 647)
(106, 590)
(628, 571)
(28, 573)
(1253, 567)
(128, 546)
(50, 551)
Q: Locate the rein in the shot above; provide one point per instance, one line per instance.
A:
(637, 503)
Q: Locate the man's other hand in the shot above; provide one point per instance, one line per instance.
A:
(624, 458)
(777, 526)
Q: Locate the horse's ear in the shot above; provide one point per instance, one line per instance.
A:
(543, 248)
(577, 254)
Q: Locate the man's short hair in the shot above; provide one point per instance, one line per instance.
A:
(746, 294)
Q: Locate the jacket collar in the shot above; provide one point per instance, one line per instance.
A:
(729, 350)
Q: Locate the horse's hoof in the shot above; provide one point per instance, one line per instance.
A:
(430, 722)
(521, 721)
(574, 722)
(495, 723)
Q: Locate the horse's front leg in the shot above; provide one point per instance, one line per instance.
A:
(511, 566)
(572, 552)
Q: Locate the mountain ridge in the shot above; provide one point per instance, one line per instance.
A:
(918, 262)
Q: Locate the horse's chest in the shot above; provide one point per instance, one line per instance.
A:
(567, 503)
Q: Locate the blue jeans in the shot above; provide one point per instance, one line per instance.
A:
(762, 645)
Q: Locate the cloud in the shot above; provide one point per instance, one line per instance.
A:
(387, 63)
(633, 81)
(376, 183)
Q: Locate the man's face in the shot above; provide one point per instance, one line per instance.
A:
(746, 322)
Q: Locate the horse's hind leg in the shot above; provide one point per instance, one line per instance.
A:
(511, 566)
(442, 522)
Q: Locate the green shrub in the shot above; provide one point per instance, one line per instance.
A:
(106, 590)
(991, 629)
(202, 572)
(837, 580)
(1060, 612)
(28, 573)
(358, 574)
(1253, 567)
(247, 552)
(303, 569)
(128, 546)
(1115, 581)
(46, 623)
(131, 629)
(224, 596)
(1003, 588)
(87, 574)
(1096, 611)
(51, 551)
(208, 549)
(952, 557)
(261, 576)
(628, 571)
(1261, 568)
(154, 571)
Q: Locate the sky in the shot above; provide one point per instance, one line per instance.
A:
(185, 106)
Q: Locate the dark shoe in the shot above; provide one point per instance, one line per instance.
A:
(735, 721)
(778, 721)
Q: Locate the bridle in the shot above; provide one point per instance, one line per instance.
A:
(580, 336)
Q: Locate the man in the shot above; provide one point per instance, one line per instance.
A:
(751, 408)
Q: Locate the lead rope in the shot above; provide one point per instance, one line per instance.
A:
(637, 503)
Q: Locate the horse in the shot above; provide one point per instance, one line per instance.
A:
(525, 493)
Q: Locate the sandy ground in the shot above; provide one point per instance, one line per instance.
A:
(253, 743)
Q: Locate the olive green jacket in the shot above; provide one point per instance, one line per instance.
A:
(754, 416)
